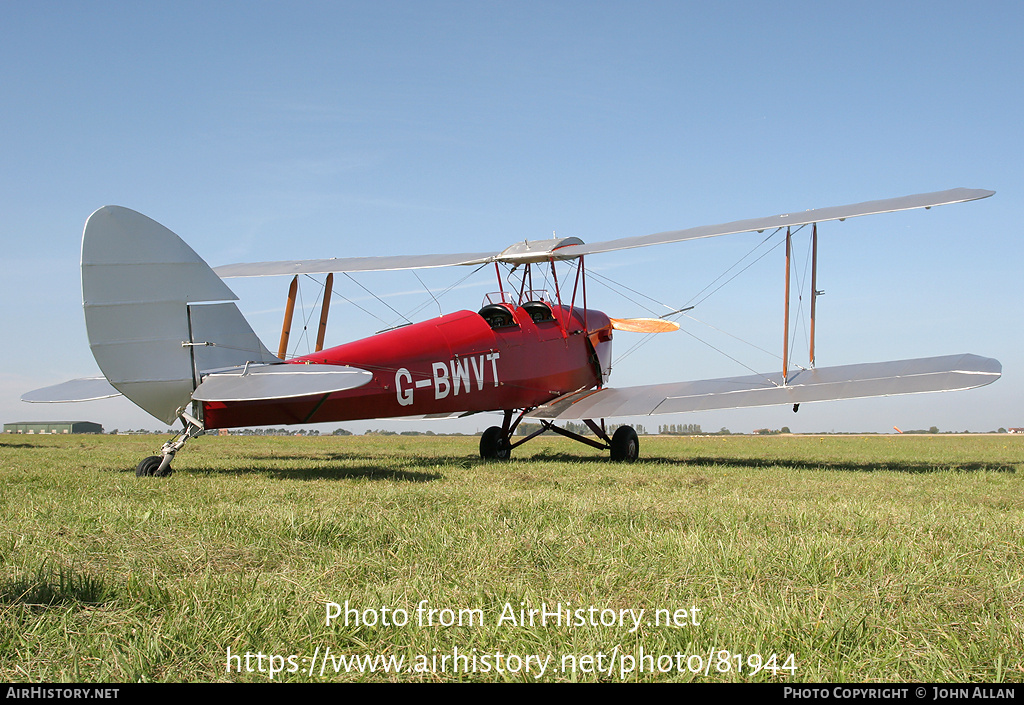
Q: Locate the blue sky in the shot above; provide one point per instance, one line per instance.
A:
(286, 130)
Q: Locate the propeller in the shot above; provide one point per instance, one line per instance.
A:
(644, 325)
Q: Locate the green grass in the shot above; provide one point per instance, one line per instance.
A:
(868, 558)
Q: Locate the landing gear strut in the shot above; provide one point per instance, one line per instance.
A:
(160, 465)
(496, 442)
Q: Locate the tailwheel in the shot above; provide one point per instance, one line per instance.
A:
(160, 465)
(494, 444)
(625, 445)
(153, 466)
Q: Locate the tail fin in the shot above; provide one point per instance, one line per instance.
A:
(152, 327)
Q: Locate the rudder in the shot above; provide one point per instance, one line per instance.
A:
(151, 324)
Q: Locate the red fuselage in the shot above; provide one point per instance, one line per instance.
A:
(455, 363)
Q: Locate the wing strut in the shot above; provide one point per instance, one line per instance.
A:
(286, 327)
(814, 286)
(785, 324)
(814, 300)
(324, 308)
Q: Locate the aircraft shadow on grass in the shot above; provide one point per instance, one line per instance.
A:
(338, 466)
(721, 462)
(333, 466)
(912, 466)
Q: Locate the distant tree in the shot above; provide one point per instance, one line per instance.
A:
(933, 429)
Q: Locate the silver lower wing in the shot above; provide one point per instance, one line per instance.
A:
(931, 374)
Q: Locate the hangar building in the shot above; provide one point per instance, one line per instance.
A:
(53, 427)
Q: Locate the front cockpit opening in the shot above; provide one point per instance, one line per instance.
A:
(497, 316)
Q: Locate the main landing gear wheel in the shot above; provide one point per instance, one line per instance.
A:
(150, 467)
(625, 445)
(494, 445)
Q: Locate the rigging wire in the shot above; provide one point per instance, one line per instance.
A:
(364, 310)
(609, 284)
(442, 294)
(738, 362)
(429, 292)
(734, 337)
(730, 279)
(399, 314)
(697, 299)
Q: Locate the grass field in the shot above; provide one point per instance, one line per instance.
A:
(797, 559)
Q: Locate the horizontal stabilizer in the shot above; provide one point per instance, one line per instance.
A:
(933, 374)
(262, 382)
(84, 389)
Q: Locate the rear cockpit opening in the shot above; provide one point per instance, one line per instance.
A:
(539, 311)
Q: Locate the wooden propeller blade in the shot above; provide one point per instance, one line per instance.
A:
(644, 325)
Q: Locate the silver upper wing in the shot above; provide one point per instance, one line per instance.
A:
(567, 248)
(933, 374)
(818, 215)
(351, 264)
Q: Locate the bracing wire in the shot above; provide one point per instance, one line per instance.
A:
(396, 312)
(738, 262)
(707, 292)
(444, 291)
(361, 308)
(429, 293)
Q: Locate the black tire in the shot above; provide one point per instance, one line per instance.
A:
(150, 467)
(494, 445)
(625, 445)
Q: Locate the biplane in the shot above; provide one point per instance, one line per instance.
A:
(166, 333)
